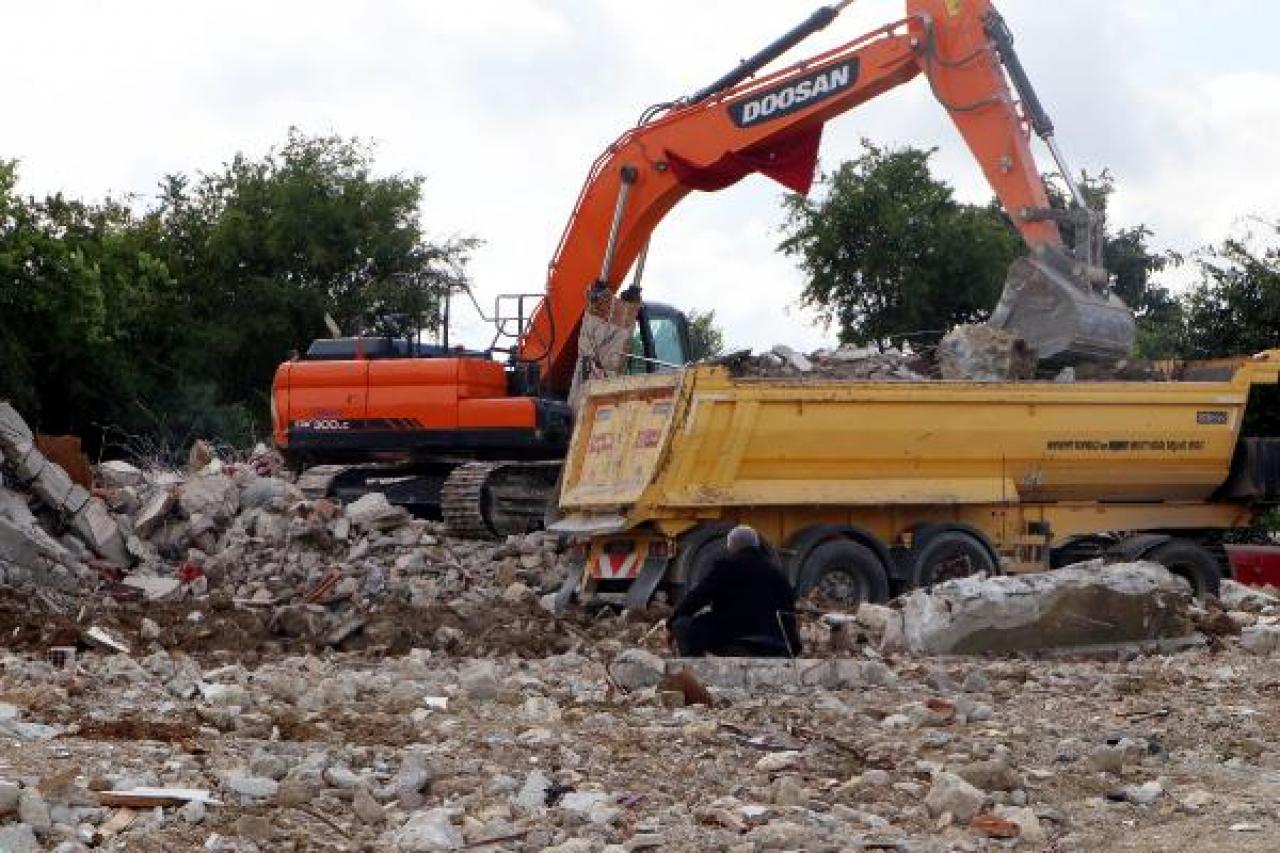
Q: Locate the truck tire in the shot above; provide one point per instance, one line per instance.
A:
(846, 572)
(1191, 562)
(949, 555)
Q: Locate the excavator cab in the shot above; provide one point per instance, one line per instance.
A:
(660, 341)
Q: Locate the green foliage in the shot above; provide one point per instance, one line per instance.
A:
(264, 248)
(889, 253)
(167, 323)
(706, 339)
(1234, 309)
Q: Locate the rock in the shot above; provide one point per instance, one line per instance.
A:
(781, 835)
(1196, 801)
(294, 792)
(877, 674)
(193, 813)
(1107, 759)
(149, 631)
(262, 491)
(981, 353)
(532, 795)
(155, 510)
(212, 495)
(366, 807)
(255, 827)
(1261, 639)
(1237, 596)
(793, 359)
(975, 615)
(341, 778)
(517, 593)
(257, 787)
(153, 588)
(994, 775)
(118, 474)
(952, 795)
(976, 682)
(941, 681)
(637, 669)
(429, 831)
(1030, 831)
(10, 792)
(34, 811)
(480, 681)
(1140, 795)
(375, 511)
(18, 838)
(200, 456)
(775, 761)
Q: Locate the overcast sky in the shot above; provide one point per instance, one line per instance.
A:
(503, 105)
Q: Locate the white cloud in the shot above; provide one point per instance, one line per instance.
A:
(504, 105)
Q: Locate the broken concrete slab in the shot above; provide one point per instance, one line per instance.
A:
(153, 588)
(794, 359)
(87, 516)
(156, 509)
(212, 495)
(981, 353)
(118, 474)
(375, 511)
(262, 491)
(1081, 606)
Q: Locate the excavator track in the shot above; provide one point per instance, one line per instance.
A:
(484, 500)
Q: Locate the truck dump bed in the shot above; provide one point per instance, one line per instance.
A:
(703, 439)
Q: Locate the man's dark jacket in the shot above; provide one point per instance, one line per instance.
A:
(746, 591)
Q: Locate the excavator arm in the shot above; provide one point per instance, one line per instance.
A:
(772, 124)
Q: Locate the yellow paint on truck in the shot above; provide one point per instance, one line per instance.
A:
(660, 455)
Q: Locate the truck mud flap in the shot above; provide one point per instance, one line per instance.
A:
(645, 584)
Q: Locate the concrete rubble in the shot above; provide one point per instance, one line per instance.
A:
(1086, 605)
(868, 364)
(981, 353)
(288, 674)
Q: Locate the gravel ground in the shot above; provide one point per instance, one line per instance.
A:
(579, 751)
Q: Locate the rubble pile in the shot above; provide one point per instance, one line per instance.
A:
(261, 671)
(161, 749)
(241, 537)
(868, 364)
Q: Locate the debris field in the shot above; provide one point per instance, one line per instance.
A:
(206, 659)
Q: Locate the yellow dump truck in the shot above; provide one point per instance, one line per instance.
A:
(865, 489)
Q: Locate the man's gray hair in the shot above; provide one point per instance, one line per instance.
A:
(741, 538)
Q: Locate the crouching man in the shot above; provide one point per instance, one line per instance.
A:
(744, 607)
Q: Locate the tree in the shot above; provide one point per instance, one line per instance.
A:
(79, 299)
(264, 248)
(1234, 309)
(890, 254)
(706, 339)
(166, 324)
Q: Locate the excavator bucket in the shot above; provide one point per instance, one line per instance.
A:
(1048, 304)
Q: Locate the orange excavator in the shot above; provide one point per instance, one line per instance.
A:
(479, 439)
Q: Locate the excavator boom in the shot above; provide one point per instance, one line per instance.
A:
(1057, 298)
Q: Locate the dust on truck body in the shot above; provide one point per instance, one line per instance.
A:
(864, 488)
